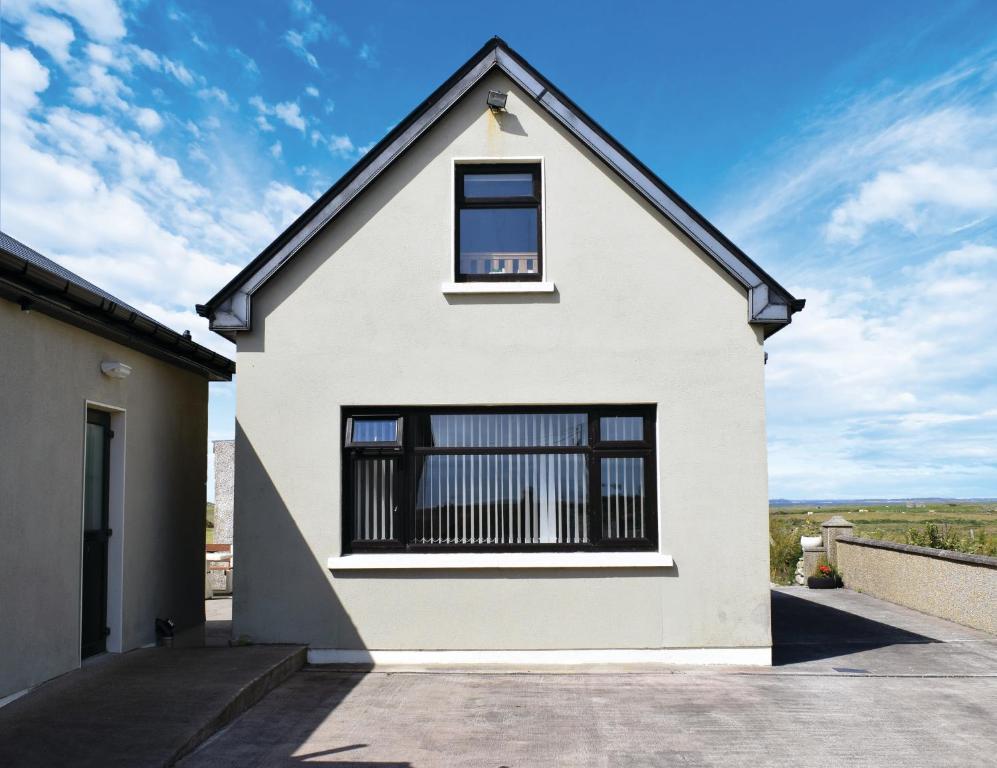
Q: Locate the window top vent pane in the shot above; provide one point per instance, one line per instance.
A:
(375, 431)
(478, 185)
(621, 429)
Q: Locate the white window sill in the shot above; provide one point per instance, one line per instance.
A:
(485, 287)
(477, 560)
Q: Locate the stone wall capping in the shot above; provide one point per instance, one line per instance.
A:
(941, 554)
(837, 522)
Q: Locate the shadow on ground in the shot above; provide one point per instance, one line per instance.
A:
(803, 630)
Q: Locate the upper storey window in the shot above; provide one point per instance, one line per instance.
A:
(498, 222)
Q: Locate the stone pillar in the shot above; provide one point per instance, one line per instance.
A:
(831, 530)
(224, 490)
(811, 559)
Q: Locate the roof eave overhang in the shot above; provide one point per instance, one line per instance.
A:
(769, 304)
(39, 290)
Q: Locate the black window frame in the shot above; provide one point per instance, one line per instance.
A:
(410, 453)
(461, 202)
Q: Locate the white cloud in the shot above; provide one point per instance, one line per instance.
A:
(283, 203)
(198, 41)
(312, 91)
(179, 71)
(880, 211)
(872, 387)
(276, 149)
(315, 26)
(914, 194)
(101, 87)
(290, 113)
(217, 94)
(51, 34)
(368, 55)
(145, 57)
(130, 219)
(100, 53)
(22, 78)
(101, 19)
(341, 145)
(148, 119)
(287, 112)
(875, 142)
(247, 61)
(296, 42)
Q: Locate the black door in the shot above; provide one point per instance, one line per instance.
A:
(97, 459)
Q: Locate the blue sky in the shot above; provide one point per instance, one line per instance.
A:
(849, 147)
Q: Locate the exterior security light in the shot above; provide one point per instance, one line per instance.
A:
(115, 370)
(496, 100)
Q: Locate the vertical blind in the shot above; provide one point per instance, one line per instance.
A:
(623, 498)
(502, 499)
(374, 498)
(501, 479)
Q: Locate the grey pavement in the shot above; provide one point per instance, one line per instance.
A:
(857, 682)
(144, 708)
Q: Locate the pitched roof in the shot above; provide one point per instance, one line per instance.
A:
(38, 283)
(770, 305)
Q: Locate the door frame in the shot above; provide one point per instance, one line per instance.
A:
(115, 521)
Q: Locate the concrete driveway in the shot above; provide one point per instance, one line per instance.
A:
(857, 682)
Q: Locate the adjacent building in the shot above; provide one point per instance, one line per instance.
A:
(103, 456)
(501, 400)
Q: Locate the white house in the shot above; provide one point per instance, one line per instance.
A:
(501, 401)
(103, 454)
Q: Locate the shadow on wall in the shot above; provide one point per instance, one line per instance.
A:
(509, 123)
(803, 630)
(282, 591)
(282, 594)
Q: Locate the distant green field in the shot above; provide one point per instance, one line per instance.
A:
(964, 526)
(209, 523)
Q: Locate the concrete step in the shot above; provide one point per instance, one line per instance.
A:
(145, 708)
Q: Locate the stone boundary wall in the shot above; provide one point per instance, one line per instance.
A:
(950, 585)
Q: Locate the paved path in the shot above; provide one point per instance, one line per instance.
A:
(143, 708)
(858, 682)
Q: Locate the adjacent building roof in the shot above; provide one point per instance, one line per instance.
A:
(38, 283)
(769, 304)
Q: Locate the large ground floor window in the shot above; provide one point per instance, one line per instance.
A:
(499, 479)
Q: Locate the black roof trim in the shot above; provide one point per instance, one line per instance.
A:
(546, 95)
(38, 283)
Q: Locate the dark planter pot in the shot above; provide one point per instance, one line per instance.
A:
(823, 582)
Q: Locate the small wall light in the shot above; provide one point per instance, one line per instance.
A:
(115, 370)
(496, 100)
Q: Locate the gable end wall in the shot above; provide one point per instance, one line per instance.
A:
(639, 316)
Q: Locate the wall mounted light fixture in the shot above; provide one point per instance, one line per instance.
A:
(115, 370)
(496, 100)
